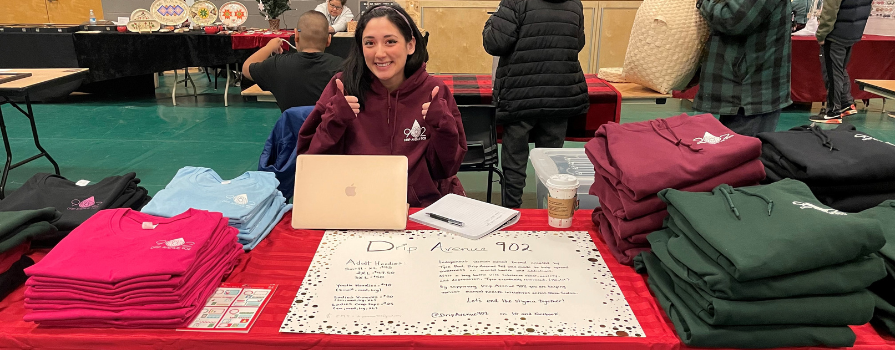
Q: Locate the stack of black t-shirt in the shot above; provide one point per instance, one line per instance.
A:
(846, 169)
(76, 201)
(17, 229)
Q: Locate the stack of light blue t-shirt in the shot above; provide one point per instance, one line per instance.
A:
(251, 201)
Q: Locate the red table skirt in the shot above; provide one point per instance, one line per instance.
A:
(605, 101)
(284, 257)
(872, 58)
(244, 41)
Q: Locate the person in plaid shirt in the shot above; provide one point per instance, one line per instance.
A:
(745, 77)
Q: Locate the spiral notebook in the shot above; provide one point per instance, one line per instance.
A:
(479, 218)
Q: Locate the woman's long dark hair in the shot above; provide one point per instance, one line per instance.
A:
(356, 76)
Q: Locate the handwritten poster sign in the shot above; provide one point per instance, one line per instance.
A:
(428, 282)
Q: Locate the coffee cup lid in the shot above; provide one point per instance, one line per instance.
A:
(563, 181)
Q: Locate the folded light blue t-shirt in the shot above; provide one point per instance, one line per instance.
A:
(239, 199)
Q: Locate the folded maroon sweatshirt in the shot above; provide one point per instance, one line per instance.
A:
(645, 157)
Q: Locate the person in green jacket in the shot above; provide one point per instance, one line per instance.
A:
(745, 77)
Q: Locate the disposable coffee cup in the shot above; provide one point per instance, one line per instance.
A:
(562, 200)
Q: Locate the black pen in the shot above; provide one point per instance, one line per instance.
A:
(447, 220)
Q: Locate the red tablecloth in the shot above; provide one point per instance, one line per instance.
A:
(872, 58)
(245, 41)
(605, 101)
(284, 257)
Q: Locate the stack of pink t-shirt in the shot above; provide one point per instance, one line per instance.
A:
(123, 268)
(635, 161)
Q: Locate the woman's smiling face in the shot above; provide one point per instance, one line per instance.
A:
(386, 51)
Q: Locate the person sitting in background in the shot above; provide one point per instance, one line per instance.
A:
(337, 14)
(296, 79)
(385, 103)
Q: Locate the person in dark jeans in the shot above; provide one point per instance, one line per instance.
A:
(745, 76)
(840, 26)
(539, 83)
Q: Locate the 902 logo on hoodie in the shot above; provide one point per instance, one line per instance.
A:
(415, 133)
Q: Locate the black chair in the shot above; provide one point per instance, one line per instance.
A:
(480, 124)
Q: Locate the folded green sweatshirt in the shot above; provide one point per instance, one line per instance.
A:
(18, 226)
(823, 310)
(885, 214)
(694, 332)
(884, 317)
(772, 230)
(693, 266)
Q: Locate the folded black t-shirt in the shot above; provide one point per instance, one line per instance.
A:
(75, 203)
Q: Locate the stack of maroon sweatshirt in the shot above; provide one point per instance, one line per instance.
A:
(126, 269)
(635, 161)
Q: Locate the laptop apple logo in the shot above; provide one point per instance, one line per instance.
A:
(350, 191)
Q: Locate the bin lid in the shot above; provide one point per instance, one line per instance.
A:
(572, 161)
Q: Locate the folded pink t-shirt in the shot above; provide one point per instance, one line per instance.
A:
(114, 246)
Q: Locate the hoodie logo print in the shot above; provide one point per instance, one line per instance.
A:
(712, 139)
(415, 133)
(803, 205)
(868, 138)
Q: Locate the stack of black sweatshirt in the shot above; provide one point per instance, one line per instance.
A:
(846, 169)
(76, 201)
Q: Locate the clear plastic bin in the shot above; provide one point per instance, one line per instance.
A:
(551, 161)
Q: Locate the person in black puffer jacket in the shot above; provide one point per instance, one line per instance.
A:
(539, 83)
(840, 26)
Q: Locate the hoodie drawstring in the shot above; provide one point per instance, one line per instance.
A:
(824, 138)
(726, 191)
(677, 141)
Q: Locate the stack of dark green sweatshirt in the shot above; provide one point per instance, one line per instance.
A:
(884, 289)
(17, 229)
(763, 267)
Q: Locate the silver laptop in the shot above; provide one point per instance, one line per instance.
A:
(350, 192)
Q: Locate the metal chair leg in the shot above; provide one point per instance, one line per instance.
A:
(490, 183)
(503, 188)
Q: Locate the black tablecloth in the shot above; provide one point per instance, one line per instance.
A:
(111, 55)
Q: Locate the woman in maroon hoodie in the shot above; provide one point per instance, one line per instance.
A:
(385, 103)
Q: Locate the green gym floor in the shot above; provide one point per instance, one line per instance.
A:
(92, 137)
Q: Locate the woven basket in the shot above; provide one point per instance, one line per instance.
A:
(666, 44)
(613, 75)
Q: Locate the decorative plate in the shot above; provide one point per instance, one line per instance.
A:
(203, 13)
(141, 15)
(233, 14)
(144, 25)
(169, 12)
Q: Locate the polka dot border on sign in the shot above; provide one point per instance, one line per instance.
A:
(303, 315)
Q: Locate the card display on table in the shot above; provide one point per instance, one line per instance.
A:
(436, 283)
(234, 307)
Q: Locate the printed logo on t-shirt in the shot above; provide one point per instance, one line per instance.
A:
(175, 244)
(415, 133)
(87, 204)
(803, 205)
(241, 200)
(712, 139)
(868, 138)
